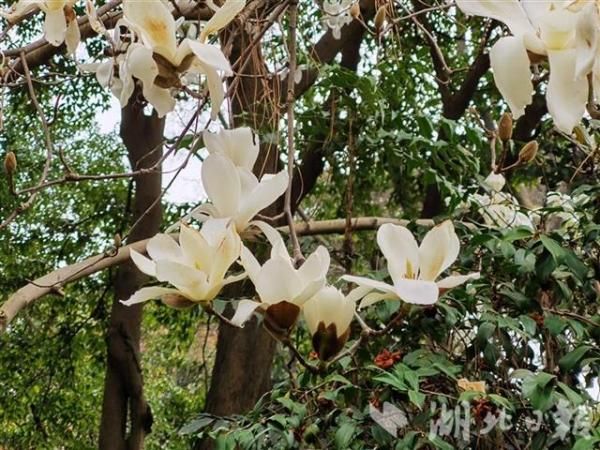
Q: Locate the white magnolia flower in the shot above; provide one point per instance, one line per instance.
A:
(159, 62)
(415, 268)
(60, 22)
(196, 267)
(281, 288)
(553, 29)
(232, 188)
(337, 15)
(328, 316)
(500, 209)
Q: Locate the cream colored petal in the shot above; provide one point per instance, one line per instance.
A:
(274, 237)
(417, 292)
(250, 264)
(266, 192)
(240, 145)
(512, 75)
(278, 281)
(358, 293)
(222, 17)
(153, 20)
(376, 297)
(149, 293)
(164, 247)
(438, 251)
(215, 91)
(145, 265)
(566, 95)
(72, 37)
(587, 37)
(195, 249)
(243, 312)
(228, 251)
(368, 282)
(400, 249)
(55, 27)
(222, 184)
(330, 307)
(214, 230)
(509, 12)
(207, 55)
(457, 280)
(141, 65)
(316, 265)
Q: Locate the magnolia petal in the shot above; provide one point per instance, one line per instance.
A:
(510, 64)
(141, 65)
(195, 249)
(240, 145)
(439, 249)
(149, 293)
(145, 265)
(207, 56)
(400, 249)
(267, 191)
(368, 282)
(161, 99)
(329, 306)
(248, 180)
(235, 278)
(587, 37)
(243, 312)
(250, 264)
(72, 37)
(277, 282)
(178, 274)
(310, 289)
(215, 90)
(376, 297)
(227, 252)
(566, 95)
(316, 265)
(278, 248)
(164, 247)
(155, 23)
(222, 184)
(104, 73)
(55, 26)
(358, 293)
(222, 17)
(456, 280)
(214, 230)
(510, 12)
(417, 292)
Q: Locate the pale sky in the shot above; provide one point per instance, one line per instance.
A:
(187, 188)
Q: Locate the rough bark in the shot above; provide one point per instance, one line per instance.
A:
(126, 416)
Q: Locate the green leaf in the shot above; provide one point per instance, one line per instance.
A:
(417, 398)
(573, 396)
(343, 435)
(586, 443)
(570, 360)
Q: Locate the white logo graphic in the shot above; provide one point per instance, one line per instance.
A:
(390, 418)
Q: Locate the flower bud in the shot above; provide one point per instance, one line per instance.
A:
(505, 127)
(10, 163)
(380, 18)
(355, 10)
(328, 316)
(528, 152)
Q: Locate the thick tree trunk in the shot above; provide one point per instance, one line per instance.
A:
(126, 417)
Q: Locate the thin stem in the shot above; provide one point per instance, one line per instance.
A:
(291, 98)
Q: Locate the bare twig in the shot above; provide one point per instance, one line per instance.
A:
(291, 98)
